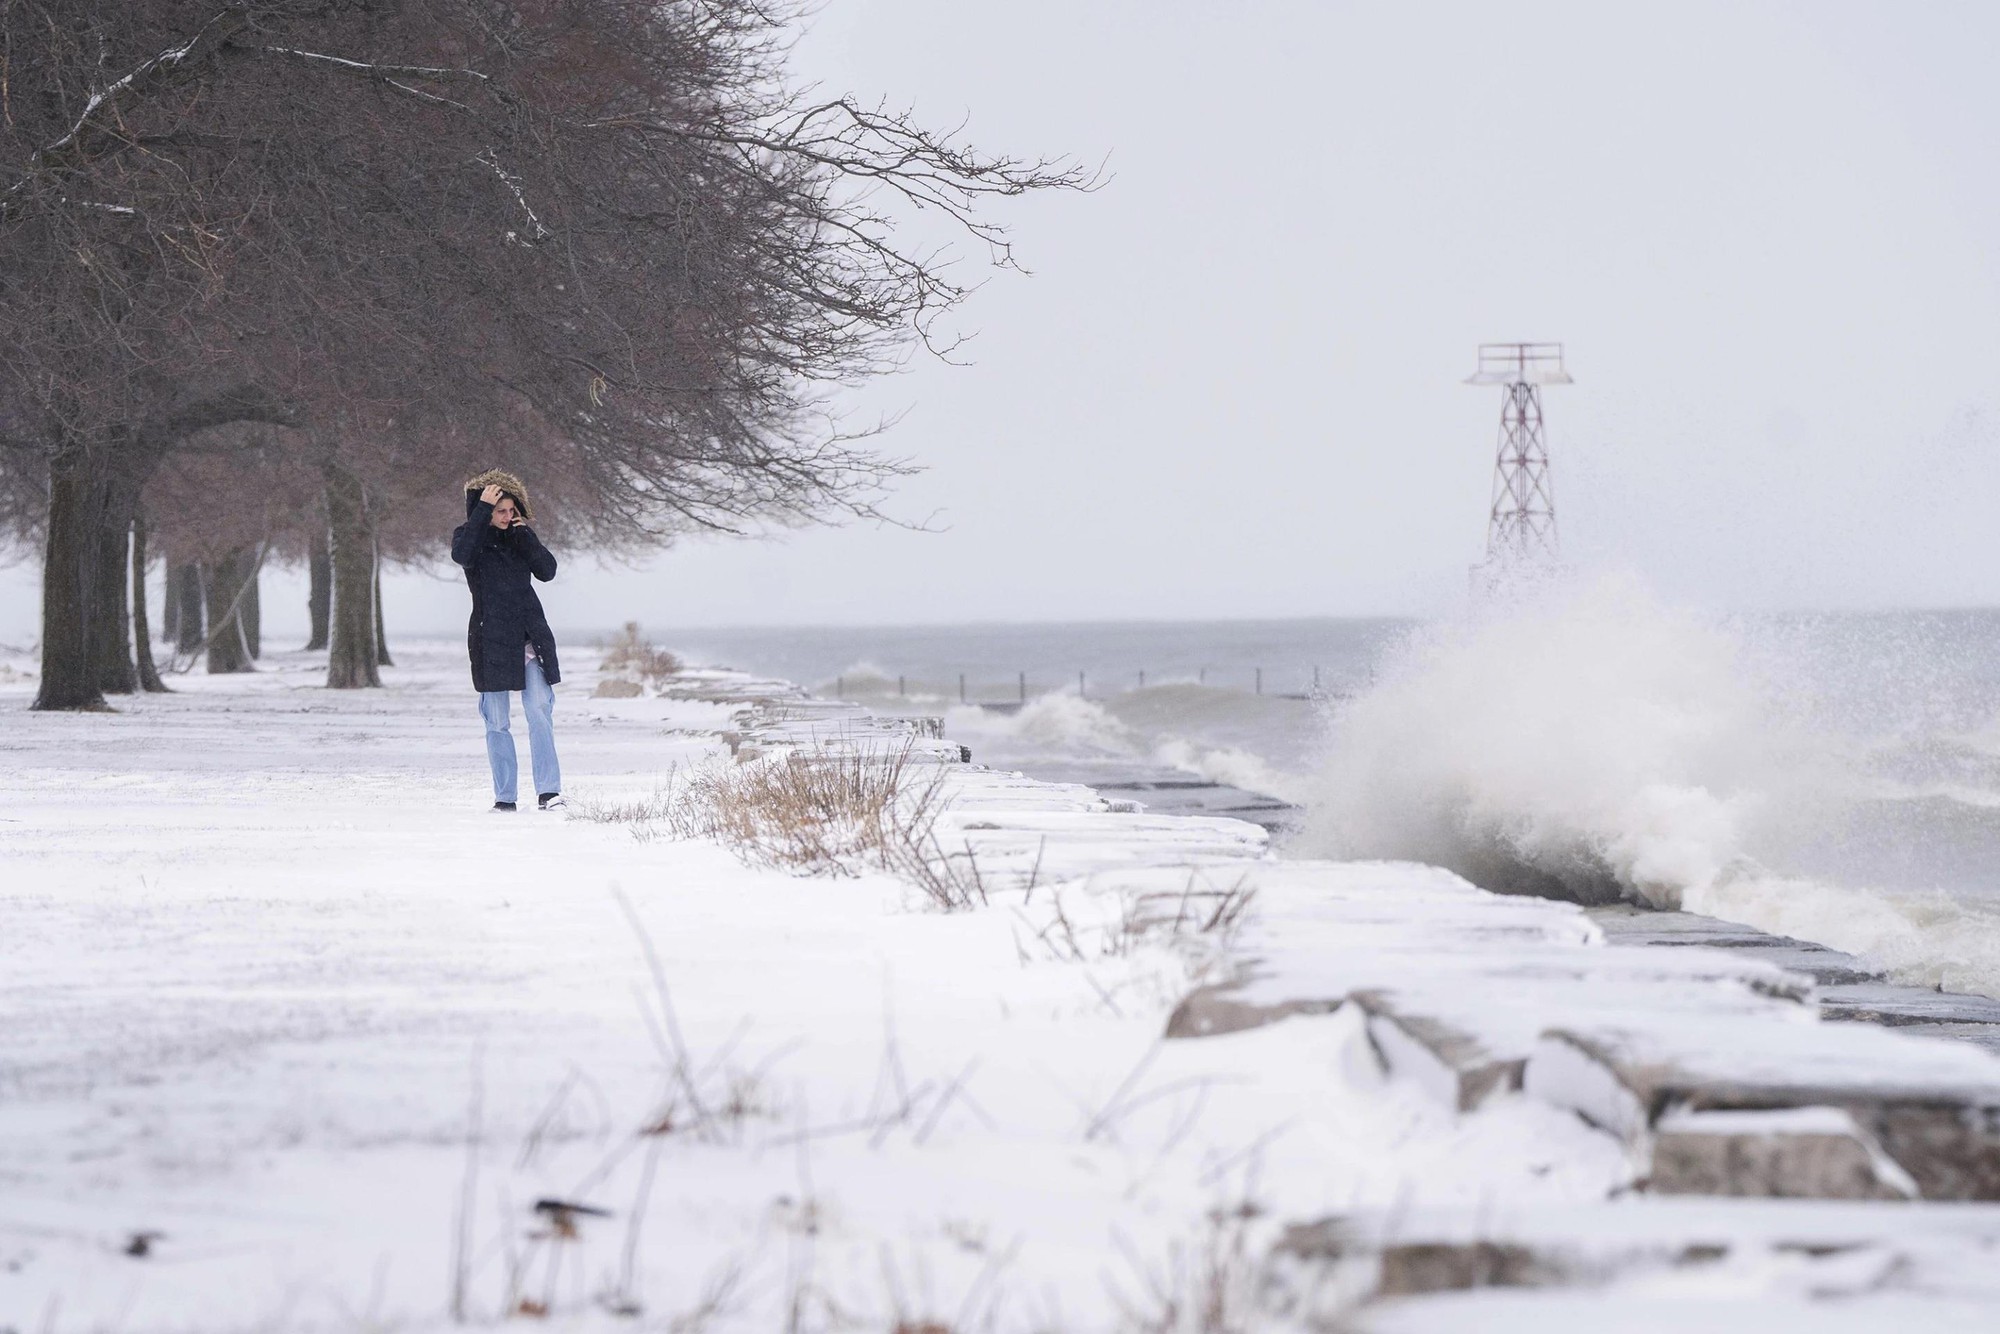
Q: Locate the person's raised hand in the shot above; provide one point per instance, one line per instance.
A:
(491, 495)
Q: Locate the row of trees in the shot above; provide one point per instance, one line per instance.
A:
(276, 275)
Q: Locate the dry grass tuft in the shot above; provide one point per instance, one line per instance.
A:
(808, 813)
(1202, 919)
(816, 815)
(648, 817)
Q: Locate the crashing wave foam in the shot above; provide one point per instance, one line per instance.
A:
(1590, 742)
(1923, 939)
(1058, 724)
(1587, 741)
(1154, 724)
(1233, 767)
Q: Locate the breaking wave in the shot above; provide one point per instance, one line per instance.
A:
(1588, 741)
(1058, 723)
(1224, 736)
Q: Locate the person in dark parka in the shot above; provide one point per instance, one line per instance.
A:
(508, 638)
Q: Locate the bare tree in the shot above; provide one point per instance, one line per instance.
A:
(609, 228)
(225, 503)
(142, 632)
(319, 582)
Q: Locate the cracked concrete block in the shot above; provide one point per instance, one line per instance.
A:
(1454, 1066)
(1212, 1011)
(1420, 1267)
(1930, 1109)
(1816, 1153)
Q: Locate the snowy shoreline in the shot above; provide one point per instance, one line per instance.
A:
(300, 1007)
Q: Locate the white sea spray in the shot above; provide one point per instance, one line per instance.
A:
(1588, 739)
(1182, 726)
(1587, 734)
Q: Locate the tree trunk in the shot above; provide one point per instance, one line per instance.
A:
(78, 499)
(319, 594)
(142, 632)
(184, 588)
(252, 611)
(228, 650)
(382, 658)
(352, 660)
(170, 609)
(111, 616)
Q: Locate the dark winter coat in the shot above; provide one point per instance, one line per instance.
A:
(506, 614)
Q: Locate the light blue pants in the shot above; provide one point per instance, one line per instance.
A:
(538, 703)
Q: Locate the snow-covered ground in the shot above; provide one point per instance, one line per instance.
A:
(282, 991)
(297, 1035)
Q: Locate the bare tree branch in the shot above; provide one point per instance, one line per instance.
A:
(155, 71)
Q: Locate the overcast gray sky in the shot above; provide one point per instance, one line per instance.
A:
(1766, 232)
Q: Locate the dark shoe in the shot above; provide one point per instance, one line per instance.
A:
(503, 805)
(551, 801)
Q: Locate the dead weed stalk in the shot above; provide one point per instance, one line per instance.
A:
(1203, 920)
(1209, 1285)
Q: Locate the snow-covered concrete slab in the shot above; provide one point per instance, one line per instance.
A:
(1460, 984)
(1471, 996)
(1932, 1105)
(1626, 924)
(1806, 1152)
(1896, 1005)
(1632, 1263)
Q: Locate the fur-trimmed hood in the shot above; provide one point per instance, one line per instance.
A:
(507, 482)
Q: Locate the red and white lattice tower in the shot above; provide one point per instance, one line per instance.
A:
(1521, 529)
